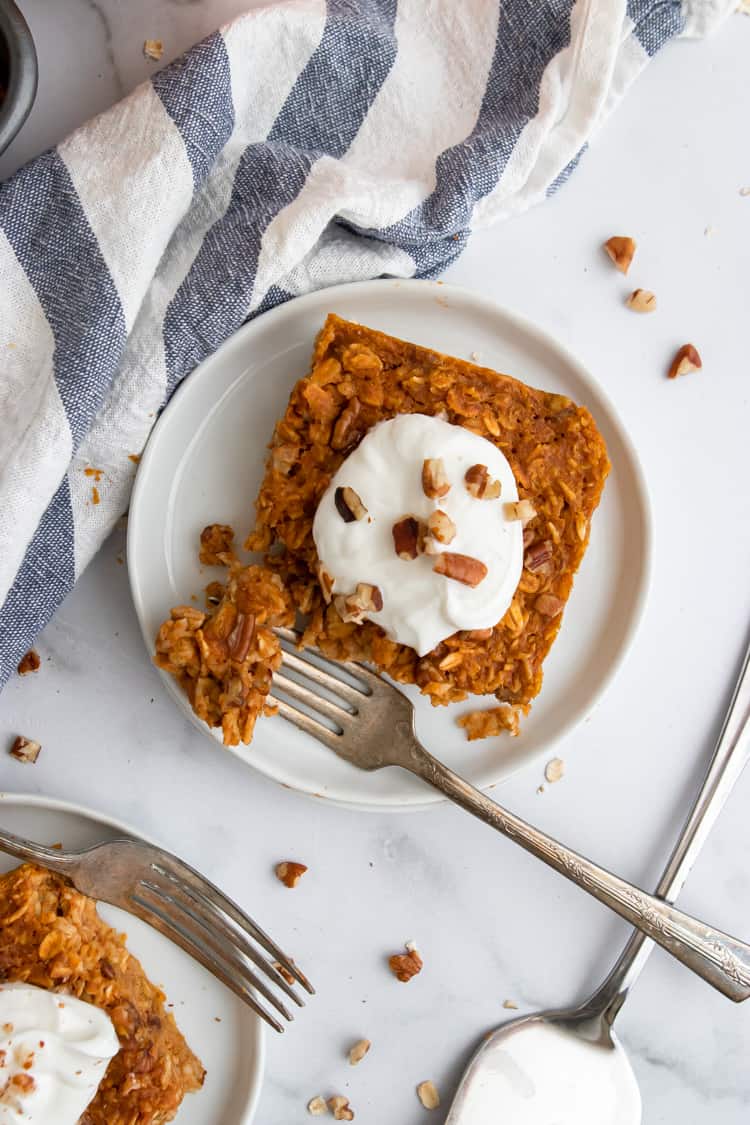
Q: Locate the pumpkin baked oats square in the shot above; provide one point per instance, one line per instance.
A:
(360, 378)
(52, 937)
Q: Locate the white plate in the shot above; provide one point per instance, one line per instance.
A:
(204, 461)
(232, 1050)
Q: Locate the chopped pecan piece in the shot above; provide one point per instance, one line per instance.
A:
(685, 361)
(358, 1051)
(217, 545)
(441, 527)
(238, 641)
(353, 608)
(340, 1108)
(522, 510)
(554, 770)
(435, 483)
(480, 484)
(345, 432)
(548, 605)
(29, 663)
(317, 1107)
(406, 538)
(642, 301)
(621, 250)
(289, 873)
(538, 556)
(463, 568)
(348, 504)
(404, 966)
(428, 1095)
(25, 749)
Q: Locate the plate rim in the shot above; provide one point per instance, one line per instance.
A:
(431, 798)
(59, 804)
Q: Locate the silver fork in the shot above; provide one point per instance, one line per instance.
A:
(370, 723)
(181, 904)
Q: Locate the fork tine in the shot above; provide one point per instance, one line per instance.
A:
(351, 666)
(175, 909)
(153, 917)
(213, 920)
(316, 702)
(325, 679)
(200, 886)
(305, 723)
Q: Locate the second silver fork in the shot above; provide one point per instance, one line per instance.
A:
(371, 725)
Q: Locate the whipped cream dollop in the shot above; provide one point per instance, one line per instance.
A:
(54, 1051)
(420, 607)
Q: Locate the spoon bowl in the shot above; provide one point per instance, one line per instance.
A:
(550, 1068)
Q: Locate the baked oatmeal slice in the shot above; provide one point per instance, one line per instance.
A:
(52, 937)
(359, 377)
(224, 658)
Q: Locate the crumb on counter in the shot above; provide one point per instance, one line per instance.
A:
(404, 966)
(153, 49)
(289, 873)
(554, 770)
(25, 750)
(31, 662)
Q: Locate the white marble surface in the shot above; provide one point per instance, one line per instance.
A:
(491, 922)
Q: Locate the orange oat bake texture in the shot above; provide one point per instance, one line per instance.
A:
(52, 937)
(359, 377)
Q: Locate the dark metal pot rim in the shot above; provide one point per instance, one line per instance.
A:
(23, 71)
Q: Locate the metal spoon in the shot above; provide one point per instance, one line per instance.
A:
(567, 1066)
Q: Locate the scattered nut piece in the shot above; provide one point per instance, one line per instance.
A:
(317, 1106)
(522, 510)
(29, 663)
(283, 972)
(428, 1095)
(348, 505)
(538, 556)
(153, 49)
(358, 1051)
(354, 607)
(549, 605)
(480, 484)
(239, 640)
(620, 249)
(510, 1004)
(685, 361)
(25, 749)
(406, 538)
(554, 770)
(289, 873)
(642, 301)
(462, 568)
(435, 483)
(340, 1108)
(404, 966)
(441, 527)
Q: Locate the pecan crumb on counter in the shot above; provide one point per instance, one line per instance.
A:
(428, 1095)
(404, 966)
(289, 873)
(153, 49)
(620, 250)
(340, 1108)
(31, 662)
(317, 1106)
(685, 361)
(358, 1051)
(25, 750)
(554, 770)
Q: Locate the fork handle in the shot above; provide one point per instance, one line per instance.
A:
(721, 960)
(29, 852)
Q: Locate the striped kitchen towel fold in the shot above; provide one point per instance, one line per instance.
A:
(303, 145)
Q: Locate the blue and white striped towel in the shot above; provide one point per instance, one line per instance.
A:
(307, 143)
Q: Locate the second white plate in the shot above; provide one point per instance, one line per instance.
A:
(204, 462)
(225, 1034)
